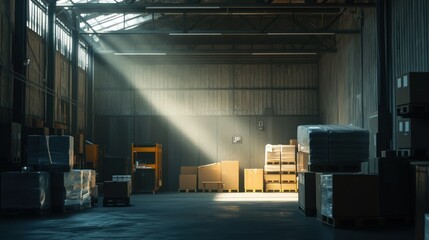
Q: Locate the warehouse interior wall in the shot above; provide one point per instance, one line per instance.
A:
(6, 86)
(195, 110)
(36, 74)
(348, 80)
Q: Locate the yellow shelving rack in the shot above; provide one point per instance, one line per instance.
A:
(157, 165)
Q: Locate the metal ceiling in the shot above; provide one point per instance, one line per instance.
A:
(208, 28)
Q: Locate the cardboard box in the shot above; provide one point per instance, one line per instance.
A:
(302, 162)
(209, 173)
(276, 187)
(347, 195)
(92, 154)
(288, 177)
(289, 187)
(288, 168)
(272, 177)
(230, 174)
(254, 179)
(187, 182)
(307, 193)
(272, 168)
(117, 189)
(189, 170)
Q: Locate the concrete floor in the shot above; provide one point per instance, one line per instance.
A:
(191, 216)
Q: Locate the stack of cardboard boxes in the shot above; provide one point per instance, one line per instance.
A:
(280, 168)
(219, 176)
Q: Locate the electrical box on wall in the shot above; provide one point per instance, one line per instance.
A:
(236, 139)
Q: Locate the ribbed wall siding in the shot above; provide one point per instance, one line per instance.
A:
(6, 81)
(348, 77)
(123, 87)
(370, 46)
(410, 36)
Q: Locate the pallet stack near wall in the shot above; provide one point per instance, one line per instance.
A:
(412, 147)
(280, 168)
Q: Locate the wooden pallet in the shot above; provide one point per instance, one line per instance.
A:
(273, 190)
(254, 190)
(76, 207)
(187, 190)
(290, 190)
(365, 222)
(334, 168)
(413, 110)
(229, 190)
(116, 202)
(409, 152)
(25, 211)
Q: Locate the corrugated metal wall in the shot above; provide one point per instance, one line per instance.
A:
(211, 89)
(348, 78)
(6, 82)
(410, 36)
(194, 110)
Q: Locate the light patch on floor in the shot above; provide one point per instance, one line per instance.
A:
(256, 197)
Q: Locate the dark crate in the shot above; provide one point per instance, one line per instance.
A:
(10, 140)
(144, 180)
(307, 193)
(410, 88)
(115, 166)
(117, 189)
(412, 133)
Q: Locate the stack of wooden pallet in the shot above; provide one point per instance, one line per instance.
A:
(280, 168)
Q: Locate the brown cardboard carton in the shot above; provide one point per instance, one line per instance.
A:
(230, 174)
(276, 187)
(253, 179)
(209, 173)
(189, 170)
(272, 177)
(187, 182)
(302, 162)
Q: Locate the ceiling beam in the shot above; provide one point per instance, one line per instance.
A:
(221, 8)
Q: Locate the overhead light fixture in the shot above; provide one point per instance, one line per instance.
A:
(140, 54)
(195, 34)
(302, 34)
(282, 53)
(181, 7)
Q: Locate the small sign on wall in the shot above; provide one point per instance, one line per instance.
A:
(236, 139)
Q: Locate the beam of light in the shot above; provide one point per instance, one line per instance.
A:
(301, 34)
(256, 197)
(139, 54)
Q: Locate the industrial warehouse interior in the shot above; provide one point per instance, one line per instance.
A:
(214, 119)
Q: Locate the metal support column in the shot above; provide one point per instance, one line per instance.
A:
(50, 98)
(384, 137)
(90, 96)
(20, 61)
(75, 74)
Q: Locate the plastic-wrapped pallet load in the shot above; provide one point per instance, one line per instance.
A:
(313, 139)
(73, 186)
(86, 187)
(426, 226)
(50, 150)
(346, 195)
(333, 144)
(25, 190)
